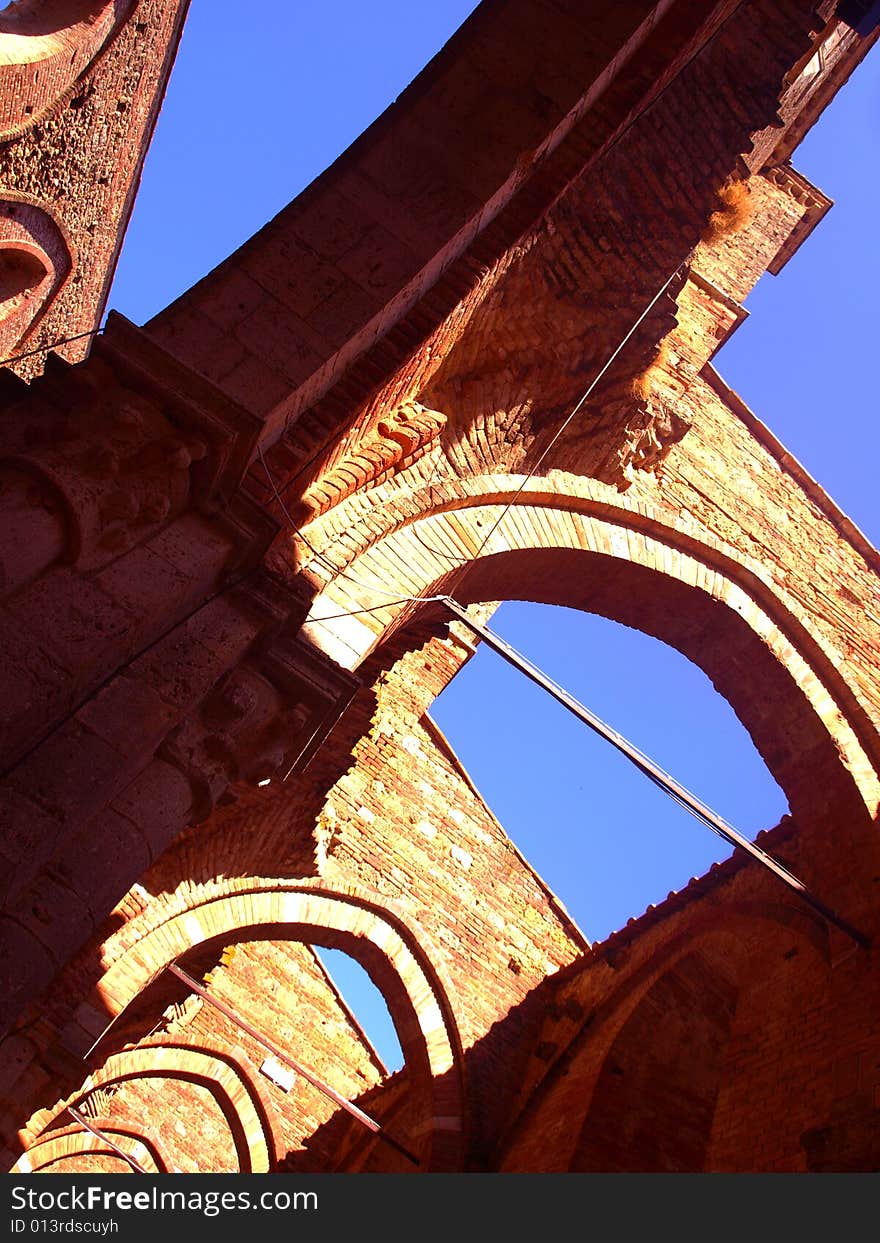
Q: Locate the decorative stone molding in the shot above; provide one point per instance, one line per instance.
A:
(191, 404)
(650, 434)
(116, 467)
(233, 695)
(816, 206)
(240, 733)
(263, 721)
(106, 453)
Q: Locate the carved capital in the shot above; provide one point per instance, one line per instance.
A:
(115, 466)
(190, 403)
(265, 719)
(237, 734)
(649, 436)
(116, 447)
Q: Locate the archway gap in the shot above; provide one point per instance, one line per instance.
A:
(365, 1005)
(64, 1144)
(696, 598)
(399, 966)
(606, 840)
(379, 540)
(232, 1086)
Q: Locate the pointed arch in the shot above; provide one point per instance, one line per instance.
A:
(350, 921)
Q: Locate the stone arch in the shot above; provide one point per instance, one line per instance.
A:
(713, 956)
(653, 1101)
(58, 1146)
(349, 921)
(228, 1081)
(665, 1090)
(35, 260)
(563, 541)
(730, 920)
(45, 47)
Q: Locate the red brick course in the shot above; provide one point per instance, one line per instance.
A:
(405, 340)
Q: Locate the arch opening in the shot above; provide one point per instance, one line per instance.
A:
(281, 987)
(27, 278)
(35, 261)
(606, 840)
(365, 1003)
(248, 942)
(565, 546)
(654, 1102)
(20, 272)
(750, 638)
(45, 47)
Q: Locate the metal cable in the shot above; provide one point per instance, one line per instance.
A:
(43, 349)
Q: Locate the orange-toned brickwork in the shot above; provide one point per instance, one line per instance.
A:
(226, 532)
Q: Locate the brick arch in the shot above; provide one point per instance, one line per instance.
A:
(729, 939)
(58, 1146)
(45, 47)
(36, 257)
(731, 921)
(349, 921)
(229, 1082)
(565, 541)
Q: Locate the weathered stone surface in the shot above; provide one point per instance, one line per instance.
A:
(81, 82)
(220, 752)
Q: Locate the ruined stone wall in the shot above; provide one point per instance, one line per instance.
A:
(280, 989)
(403, 832)
(166, 693)
(81, 84)
(331, 277)
(763, 1054)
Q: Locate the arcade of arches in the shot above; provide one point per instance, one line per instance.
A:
(224, 539)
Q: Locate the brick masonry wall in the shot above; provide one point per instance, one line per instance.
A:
(786, 1076)
(707, 537)
(789, 1048)
(279, 988)
(78, 155)
(407, 824)
(403, 824)
(284, 316)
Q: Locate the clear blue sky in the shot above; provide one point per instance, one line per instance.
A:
(255, 110)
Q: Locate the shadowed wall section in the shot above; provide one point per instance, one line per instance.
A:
(654, 1110)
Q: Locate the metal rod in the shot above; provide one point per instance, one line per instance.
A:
(651, 770)
(365, 1120)
(126, 1156)
(116, 1017)
(326, 723)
